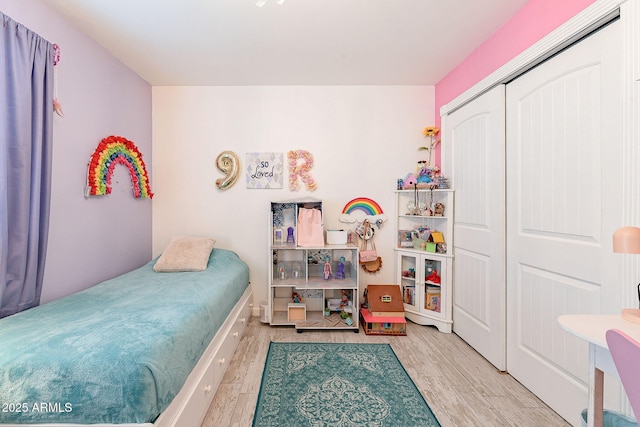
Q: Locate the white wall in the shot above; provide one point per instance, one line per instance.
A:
(362, 138)
(102, 237)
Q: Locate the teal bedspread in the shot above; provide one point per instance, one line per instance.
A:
(118, 352)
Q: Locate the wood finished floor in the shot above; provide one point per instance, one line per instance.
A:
(461, 387)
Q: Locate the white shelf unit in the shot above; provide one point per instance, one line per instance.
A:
(300, 270)
(426, 302)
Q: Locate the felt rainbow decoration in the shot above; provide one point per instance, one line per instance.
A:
(368, 206)
(112, 151)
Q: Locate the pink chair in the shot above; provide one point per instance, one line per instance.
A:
(625, 352)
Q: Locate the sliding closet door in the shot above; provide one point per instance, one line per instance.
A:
(563, 203)
(475, 147)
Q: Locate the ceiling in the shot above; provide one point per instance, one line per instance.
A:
(298, 42)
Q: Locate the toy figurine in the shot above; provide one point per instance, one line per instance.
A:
(365, 299)
(340, 272)
(327, 269)
(344, 302)
(295, 297)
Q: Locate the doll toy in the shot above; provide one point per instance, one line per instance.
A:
(340, 271)
(327, 274)
(344, 302)
(296, 298)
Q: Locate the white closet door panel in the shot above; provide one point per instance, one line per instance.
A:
(475, 149)
(560, 146)
(473, 270)
(563, 175)
(545, 296)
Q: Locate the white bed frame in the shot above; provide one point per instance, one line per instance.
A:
(191, 404)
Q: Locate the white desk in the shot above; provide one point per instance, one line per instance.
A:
(593, 329)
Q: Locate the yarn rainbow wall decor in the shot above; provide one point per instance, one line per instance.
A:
(112, 151)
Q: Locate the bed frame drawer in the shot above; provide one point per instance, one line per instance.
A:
(196, 407)
(223, 356)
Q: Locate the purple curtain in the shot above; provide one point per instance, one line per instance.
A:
(26, 134)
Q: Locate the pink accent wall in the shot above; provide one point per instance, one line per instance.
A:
(531, 23)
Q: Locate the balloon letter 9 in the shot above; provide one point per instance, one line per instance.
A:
(227, 163)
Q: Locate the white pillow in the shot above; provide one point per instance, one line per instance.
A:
(185, 254)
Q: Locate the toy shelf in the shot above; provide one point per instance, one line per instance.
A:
(300, 292)
(422, 248)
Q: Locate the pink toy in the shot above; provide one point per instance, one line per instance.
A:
(327, 269)
(409, 182)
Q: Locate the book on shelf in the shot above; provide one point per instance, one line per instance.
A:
(432, 298)
(409, 296)
(385, 301)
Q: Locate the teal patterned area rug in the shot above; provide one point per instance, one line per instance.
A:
(331, 384)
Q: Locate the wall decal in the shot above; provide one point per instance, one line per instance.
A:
(112, 151)
(264, 170)
(229, 164)
(361, 208)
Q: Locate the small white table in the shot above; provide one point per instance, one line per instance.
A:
(593, 329)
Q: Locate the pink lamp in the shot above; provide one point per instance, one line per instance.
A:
(626, 240)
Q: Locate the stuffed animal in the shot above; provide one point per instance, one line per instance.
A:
(424, 174)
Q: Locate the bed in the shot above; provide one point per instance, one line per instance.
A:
(144, 348)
